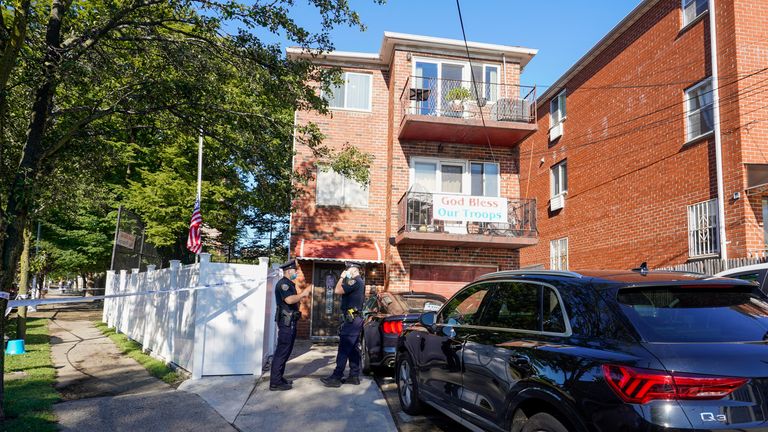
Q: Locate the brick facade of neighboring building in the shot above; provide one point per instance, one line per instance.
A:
(632, 172)
(377, 132)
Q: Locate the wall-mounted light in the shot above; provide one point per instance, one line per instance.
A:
(409, 56)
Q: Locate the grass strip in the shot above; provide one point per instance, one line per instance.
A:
(156, 368)
(29, 381)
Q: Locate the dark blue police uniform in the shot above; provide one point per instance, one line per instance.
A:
(349, 333)
(287, 315)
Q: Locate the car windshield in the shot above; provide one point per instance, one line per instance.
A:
(696, 314)
(414, 303)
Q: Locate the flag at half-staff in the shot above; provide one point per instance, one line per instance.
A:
(194, 241)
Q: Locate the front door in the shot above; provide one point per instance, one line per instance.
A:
(326, 306)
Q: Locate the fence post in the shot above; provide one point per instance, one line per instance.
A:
(120, 301)
(106, 314)
(262, 327)
(149, 310)
(172, 310)
(198, 347)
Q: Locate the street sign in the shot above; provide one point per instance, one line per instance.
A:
(126, 240)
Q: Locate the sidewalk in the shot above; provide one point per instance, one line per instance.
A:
(312, 406)
(308, 406)
(107, 391)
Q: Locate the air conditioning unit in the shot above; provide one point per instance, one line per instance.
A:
(556, 131)
(557, 202)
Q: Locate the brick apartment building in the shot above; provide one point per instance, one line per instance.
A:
(444, 203)
(624, 162)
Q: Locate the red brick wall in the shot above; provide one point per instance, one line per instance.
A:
(400, 258)
(376, 132)
(631, 173)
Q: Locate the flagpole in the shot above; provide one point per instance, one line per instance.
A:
(199, 174)
(200, 164)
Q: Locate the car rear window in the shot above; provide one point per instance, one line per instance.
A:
(696, 314)
(418, 304)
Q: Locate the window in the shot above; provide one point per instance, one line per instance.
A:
(484, 177)
(486, 78)
(670, 314)
(524, 306)
(455, 176)
(692, 9)
(464, 307)
(334, 189)
(559, 179)
(557, 110)
(439, 77)
(702, 229)
(354, 94)
(558, 254)
(699, 110)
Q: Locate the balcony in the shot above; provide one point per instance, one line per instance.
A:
(454, 111)
(463, 220)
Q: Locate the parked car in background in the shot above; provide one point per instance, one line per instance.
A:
(752, 273)
(594, 351)
(386, 316)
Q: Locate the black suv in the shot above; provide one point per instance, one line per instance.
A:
(592, 351)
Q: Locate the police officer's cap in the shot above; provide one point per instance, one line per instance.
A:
(352, 264)
(289, 265)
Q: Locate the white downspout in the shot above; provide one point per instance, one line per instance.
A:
(718, 141)
(504, 62)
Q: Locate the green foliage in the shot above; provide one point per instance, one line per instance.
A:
(458, 94)
(28, 399)
(133, 349)
(132, 83)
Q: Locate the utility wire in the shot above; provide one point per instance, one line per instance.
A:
(474, 83)
(667, 120)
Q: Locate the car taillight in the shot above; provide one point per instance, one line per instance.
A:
(392, 327)
(634, 385)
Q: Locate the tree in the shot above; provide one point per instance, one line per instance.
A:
(80, 76)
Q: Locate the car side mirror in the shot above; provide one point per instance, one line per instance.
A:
(428, 320)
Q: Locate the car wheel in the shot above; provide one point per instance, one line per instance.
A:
(366, 356)
(407, 385)
(543, 422)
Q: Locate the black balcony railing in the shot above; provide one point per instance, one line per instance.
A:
(465, 99)
(416, 215)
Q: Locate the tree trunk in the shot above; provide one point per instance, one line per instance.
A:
(19, 196)
(21, 315)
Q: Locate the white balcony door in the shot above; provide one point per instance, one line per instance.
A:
(439, 78)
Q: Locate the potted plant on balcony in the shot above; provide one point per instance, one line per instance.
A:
(456, 98)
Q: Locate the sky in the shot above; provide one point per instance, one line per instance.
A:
(562, 30)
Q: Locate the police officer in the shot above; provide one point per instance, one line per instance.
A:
(287, 301)
(352, 290)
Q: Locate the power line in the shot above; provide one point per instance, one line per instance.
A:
(650, 125)
(474, 83)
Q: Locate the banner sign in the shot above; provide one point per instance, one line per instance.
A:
(126, 240)
(462, 208)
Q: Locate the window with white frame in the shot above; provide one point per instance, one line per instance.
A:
(557, 113)
(457, 176)
(692, 9)
(558, 254)
(353, 94)
(702, 229)
(486, 78)
(559, 179)
(334, 189)
(441, 76)
(699, 108)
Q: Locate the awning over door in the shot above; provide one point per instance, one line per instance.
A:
(330, 250)
(757, 179)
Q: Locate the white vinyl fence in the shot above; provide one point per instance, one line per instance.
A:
(208, 318)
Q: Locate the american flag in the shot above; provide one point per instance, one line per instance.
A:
(194, 242)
